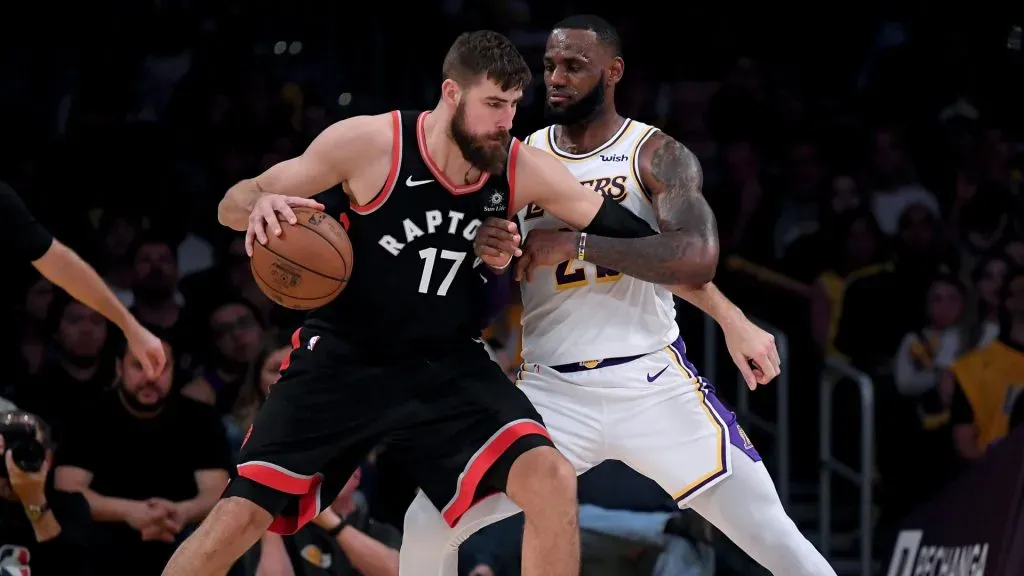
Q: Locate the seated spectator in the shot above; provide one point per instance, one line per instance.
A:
(881, 307)
(342, 541)
(988, 278)
(80, 368)
(853, 247)
(924, 354)
(986, 383)
(264, 372)
(150, 463)
(44, 531)
(235, 333)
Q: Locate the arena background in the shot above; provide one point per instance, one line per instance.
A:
(124, 122)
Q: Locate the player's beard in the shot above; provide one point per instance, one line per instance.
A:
(579, 111)
(487, 152)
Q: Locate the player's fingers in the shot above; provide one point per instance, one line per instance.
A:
(286, 212)
(521, 266)
(485, 251)
(147, 366)
(768, 367)
(747, 372)
(2, 445)
(249, 236)
(272, 223)
(304, 202)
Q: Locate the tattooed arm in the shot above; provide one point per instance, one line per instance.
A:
(686, 250)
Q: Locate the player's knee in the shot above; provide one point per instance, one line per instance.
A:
(542, 477)
(235, 517)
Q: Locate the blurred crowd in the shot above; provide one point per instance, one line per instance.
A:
(870, 206)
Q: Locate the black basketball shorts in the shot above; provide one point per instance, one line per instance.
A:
(456, 421)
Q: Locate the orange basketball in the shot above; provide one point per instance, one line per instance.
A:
(308, 265)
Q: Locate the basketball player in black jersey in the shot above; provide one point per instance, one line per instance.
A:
(395, 359)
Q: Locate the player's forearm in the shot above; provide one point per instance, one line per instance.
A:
(710, 300)
(234, 209)
(62, 266)
(668, 258)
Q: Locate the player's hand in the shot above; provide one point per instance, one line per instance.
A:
(497, 241)
(148, 349)
(753, 351)
(545, 248)
(264, 216)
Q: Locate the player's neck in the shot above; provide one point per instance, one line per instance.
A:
(444, 152)
(588, 135)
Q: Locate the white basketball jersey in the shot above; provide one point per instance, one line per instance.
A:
(576, 311)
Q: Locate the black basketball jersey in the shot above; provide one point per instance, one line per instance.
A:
(415, 283)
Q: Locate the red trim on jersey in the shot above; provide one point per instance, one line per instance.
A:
(510, 173)
(442, 178)
(345, 222)
(309, 508)
(396, 164)
(465, 494)
(296, 342)
(278, 478)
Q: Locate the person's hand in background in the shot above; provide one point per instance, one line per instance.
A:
(481, 570)
(29, 487)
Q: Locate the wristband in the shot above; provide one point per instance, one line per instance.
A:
(337, 529)
(581, 247)
(505, 265)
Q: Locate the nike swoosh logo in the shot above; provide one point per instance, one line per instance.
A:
(655, 377)
(411, 183)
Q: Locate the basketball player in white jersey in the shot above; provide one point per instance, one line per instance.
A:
(604, 364)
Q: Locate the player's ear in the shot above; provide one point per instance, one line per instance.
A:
(451, 92)
(616, 68)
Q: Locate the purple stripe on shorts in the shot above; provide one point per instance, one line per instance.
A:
(737, 436)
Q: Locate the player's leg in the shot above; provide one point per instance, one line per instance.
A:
(677, 432)
(572, 418)
(430, 547)
(288, 467)
(486, 437)
(747, 509)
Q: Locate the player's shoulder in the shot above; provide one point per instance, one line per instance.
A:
(368, 131)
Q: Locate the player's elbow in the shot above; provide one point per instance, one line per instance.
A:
(230, 214)
(699, 267)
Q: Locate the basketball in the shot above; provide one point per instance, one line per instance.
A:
(308, 265)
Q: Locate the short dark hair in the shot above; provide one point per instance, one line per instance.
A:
(486, 53)
(606, 33)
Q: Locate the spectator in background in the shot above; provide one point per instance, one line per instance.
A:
(155, 290)
(988, 278)
(234, 333)
(894, 183)
(32, 337)
(745, 206)
(44, 531)
(149, 462)
(880, 307)
(805, 186)
(927, 352)
(117, 238)
(853, 248)
(78, 372)
(263, 373)
(986, 384)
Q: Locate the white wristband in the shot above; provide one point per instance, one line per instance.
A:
(505, 265)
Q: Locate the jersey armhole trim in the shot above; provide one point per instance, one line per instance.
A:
(396, 167)
(510, 172)
(635, 163)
